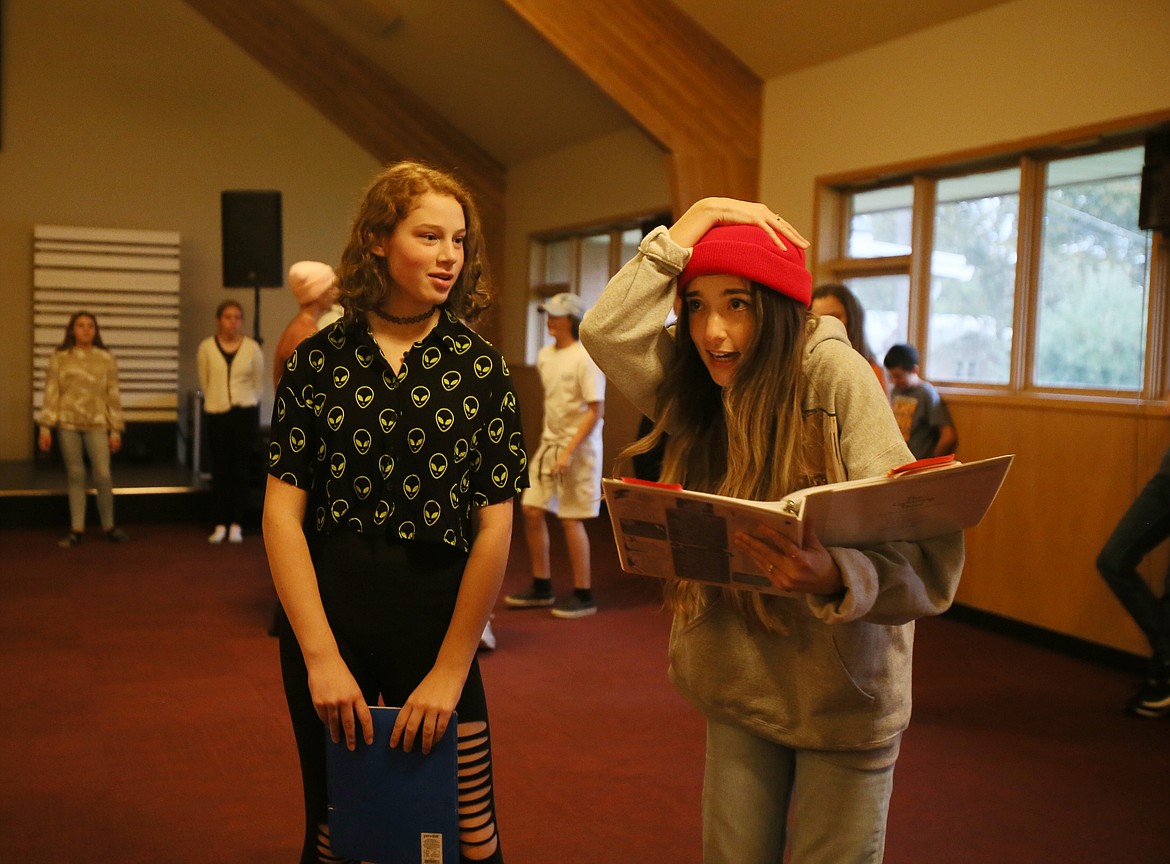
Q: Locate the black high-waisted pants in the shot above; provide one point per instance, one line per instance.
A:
(231, 437)
(389, 604)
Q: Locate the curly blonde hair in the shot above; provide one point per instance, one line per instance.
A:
(363, 280)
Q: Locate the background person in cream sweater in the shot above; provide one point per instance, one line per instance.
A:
(82, 402)
(231, 375)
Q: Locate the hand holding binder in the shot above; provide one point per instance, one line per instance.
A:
(672, 533)
(389, 806)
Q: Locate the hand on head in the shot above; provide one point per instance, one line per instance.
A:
(707, 213)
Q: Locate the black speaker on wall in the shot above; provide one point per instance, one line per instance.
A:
(252, 240)
(1154, 203)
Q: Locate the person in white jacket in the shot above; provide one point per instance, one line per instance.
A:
(806, 695)
(231, 375)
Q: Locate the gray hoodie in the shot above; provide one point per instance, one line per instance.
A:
(838, 676)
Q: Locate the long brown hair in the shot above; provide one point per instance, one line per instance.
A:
(363, 280)
(854, 316)
(70, 339)
(745, 440)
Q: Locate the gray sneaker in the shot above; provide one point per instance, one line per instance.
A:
(575, 607)
(530, 599)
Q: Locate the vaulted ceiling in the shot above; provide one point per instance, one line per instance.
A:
(485, 84)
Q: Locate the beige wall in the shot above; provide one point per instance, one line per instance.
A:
(137, 114)
(1022, 70)
(1015, 71)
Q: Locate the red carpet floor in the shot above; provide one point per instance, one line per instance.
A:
(141, 720)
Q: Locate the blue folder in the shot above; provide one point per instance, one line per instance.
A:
(388, 806)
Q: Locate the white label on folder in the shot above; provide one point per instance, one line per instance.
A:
(432, 848)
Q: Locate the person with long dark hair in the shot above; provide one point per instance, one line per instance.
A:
(837, 301)
(806, 693)
(231, 375)
(396, 456)
(82, 402)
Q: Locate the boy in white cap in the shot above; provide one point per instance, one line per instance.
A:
(565, 473)
(314, 285)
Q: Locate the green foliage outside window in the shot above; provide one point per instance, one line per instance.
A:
(1093, 294)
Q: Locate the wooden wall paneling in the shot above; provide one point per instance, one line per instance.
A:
(697, 173)
(683, 87)
(1033, 558)
(129, 280)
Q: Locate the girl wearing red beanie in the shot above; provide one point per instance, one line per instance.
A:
(806, 695)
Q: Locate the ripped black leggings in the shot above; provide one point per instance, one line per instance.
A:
(389, 604)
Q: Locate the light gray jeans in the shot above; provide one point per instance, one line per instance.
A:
(97, 445)
(759, 796)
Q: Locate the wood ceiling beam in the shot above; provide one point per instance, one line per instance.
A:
(680, 84)
(379, 114)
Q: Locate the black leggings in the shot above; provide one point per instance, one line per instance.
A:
(232, 437)
(389, 604)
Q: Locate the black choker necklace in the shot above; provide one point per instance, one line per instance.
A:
(410, 319)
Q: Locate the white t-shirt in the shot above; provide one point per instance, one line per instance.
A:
(335, 313)
(571, 380)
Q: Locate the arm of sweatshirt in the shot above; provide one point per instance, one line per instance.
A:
(894, 582)
(625, 331)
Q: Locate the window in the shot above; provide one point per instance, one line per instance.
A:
(1090, 328)
(886, 301)
(973, 277)
(557, 264)
(880, 226)
(1027, 273)
(580, 262)
(595, 266)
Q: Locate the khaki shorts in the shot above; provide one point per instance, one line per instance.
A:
(576, 494)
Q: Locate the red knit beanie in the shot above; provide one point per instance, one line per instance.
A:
(749, 251)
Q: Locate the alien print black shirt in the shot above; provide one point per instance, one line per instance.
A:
(407, 454)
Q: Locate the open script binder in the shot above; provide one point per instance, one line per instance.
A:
(671, 533)
(388, 806)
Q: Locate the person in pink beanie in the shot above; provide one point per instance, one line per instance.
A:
(314, 286)
(806, 693)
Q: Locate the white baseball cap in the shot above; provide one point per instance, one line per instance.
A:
(560, 305)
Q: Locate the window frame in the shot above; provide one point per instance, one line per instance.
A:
(831, 262)
(539, 242)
